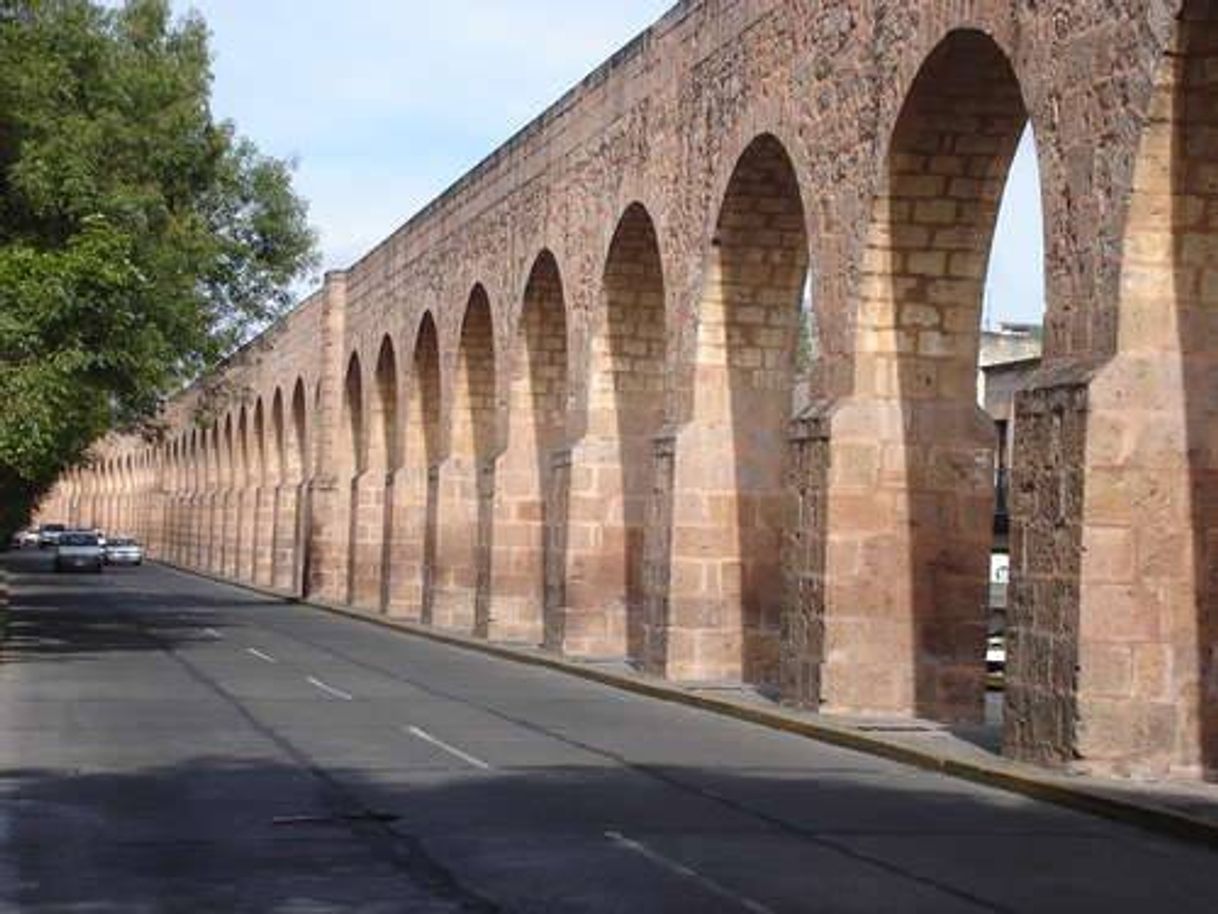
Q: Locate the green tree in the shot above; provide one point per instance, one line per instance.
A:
(140, 238)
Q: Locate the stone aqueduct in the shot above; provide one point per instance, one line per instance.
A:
(558, 406)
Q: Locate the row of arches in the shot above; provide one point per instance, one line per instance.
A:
(723, 512)
(662, 534)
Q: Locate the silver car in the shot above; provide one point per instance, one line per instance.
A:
(79, 550)
(49, 534)
(122, 550)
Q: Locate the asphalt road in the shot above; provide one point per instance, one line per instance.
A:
(169, 744)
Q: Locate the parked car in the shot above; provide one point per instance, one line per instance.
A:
(123, 550)
(49, 534)
(995, 655)
(79, 550)
(25, 539)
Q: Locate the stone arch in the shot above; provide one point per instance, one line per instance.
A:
(412, 564)
(260, 469)
(202, 494)
(242, 476)
(262, 531)
(275, 453)
(384, 447)
(228, 513)
(1145, 701)
(731, 499)
(276, 448)
(300, 433)
(462, 581)
(192, 490)
(352, 451)
(423, 428)
(352, 456)
(246, 509)
(911, 509)
(533, 474)
(613, 467)
(372, 523)
(303, 527)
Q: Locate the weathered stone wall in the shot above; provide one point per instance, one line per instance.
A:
(605, 462)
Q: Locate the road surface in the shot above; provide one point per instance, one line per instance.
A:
(171, 744)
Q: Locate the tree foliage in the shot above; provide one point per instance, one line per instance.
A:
(140, 238)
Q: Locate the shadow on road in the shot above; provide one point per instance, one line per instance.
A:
(221, 834)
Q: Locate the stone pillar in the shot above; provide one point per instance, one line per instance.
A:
(229, 535)
(457, 552)
(910, 508)
(406, 539)
(367, 531)
(285, 528)
(263, 538)
(300, 570)
(704, 637)
(518, 550)
(247, 508)
(328, 499)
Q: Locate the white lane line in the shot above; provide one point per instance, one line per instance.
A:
(337, 693)
(212, 633)
(260, 655)
(680, 869)
(451, 750)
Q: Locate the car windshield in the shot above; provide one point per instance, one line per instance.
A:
(120, 541)
(78, 539)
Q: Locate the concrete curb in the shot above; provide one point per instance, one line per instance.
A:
(998, 773)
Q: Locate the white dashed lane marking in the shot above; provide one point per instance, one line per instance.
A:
(451, 750)
(684, 872)
(330, 690)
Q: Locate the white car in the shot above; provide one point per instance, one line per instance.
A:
(122, 550)
(25, 539)
(48, 535)
(79, 550)
(995, 654)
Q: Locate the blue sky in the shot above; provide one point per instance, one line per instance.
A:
(384, 103)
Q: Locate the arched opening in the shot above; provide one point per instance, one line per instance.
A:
(625, 411)
(264, 501)
(375, 504)
(244, 495)
(275, 485)
(228, 507)
(211, 493)
(732, 501)
(352, 461)
(466, 479)
(530, 497)
(411, 584)
(1147, 654)
(194, 498)
(300, 476)
(909, 633)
